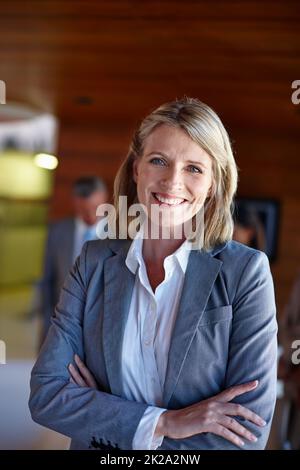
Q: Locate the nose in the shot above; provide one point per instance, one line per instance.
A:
(172, 178)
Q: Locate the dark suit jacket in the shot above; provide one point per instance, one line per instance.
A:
(58, 261)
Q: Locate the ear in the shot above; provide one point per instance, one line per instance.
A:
(135, 170)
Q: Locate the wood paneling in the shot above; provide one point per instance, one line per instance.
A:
(100, 66)
(128, 56)
(270, 168)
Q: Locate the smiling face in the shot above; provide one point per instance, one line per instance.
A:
(174, 173)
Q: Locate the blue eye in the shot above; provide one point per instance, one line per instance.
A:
(194, 169)
(157, 161)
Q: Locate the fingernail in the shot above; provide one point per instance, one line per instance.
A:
(70, 366)
(253, 438)
(242, 443)
(262, 422)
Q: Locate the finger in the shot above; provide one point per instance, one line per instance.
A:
(233, 425)
(72, 381)
(76, 376)
(85, 372)
(227, 434)
(233, 409)
(232, 392)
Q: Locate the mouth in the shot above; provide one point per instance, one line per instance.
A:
(165, 199)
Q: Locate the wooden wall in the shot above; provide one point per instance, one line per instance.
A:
(100, 66)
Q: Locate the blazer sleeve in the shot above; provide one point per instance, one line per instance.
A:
(84, 414)
(253, 345)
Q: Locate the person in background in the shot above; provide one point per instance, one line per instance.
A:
(65, 240)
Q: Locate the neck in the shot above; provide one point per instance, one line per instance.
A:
(156, 250)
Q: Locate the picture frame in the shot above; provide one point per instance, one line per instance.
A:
(256, 224)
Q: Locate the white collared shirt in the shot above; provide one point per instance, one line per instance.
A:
(147, 337)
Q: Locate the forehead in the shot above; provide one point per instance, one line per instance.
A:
(173, 141)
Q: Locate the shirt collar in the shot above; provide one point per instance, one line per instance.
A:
(81, 226)
(134, 256)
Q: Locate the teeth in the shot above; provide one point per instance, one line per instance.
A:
(170, 201)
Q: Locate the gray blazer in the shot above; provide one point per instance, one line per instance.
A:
(58, 261)
(225, 334)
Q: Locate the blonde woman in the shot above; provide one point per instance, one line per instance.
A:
(156, 343)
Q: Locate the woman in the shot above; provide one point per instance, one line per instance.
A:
(166, 346)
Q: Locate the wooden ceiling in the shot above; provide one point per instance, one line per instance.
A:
(108, 63)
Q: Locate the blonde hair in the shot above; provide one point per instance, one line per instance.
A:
(205, 128)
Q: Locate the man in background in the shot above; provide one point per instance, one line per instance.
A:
(65, 241)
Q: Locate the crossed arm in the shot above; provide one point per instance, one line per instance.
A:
(214, 415)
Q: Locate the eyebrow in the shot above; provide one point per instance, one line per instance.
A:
(197, 163)
(166, 156)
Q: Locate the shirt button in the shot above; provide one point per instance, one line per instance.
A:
(147, 342)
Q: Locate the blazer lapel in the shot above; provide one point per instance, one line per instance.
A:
(119, 283)
(201, 273)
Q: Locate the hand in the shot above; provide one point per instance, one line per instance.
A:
(213, 415)
(82, 376)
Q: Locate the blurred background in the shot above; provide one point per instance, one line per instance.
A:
(79, 77)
